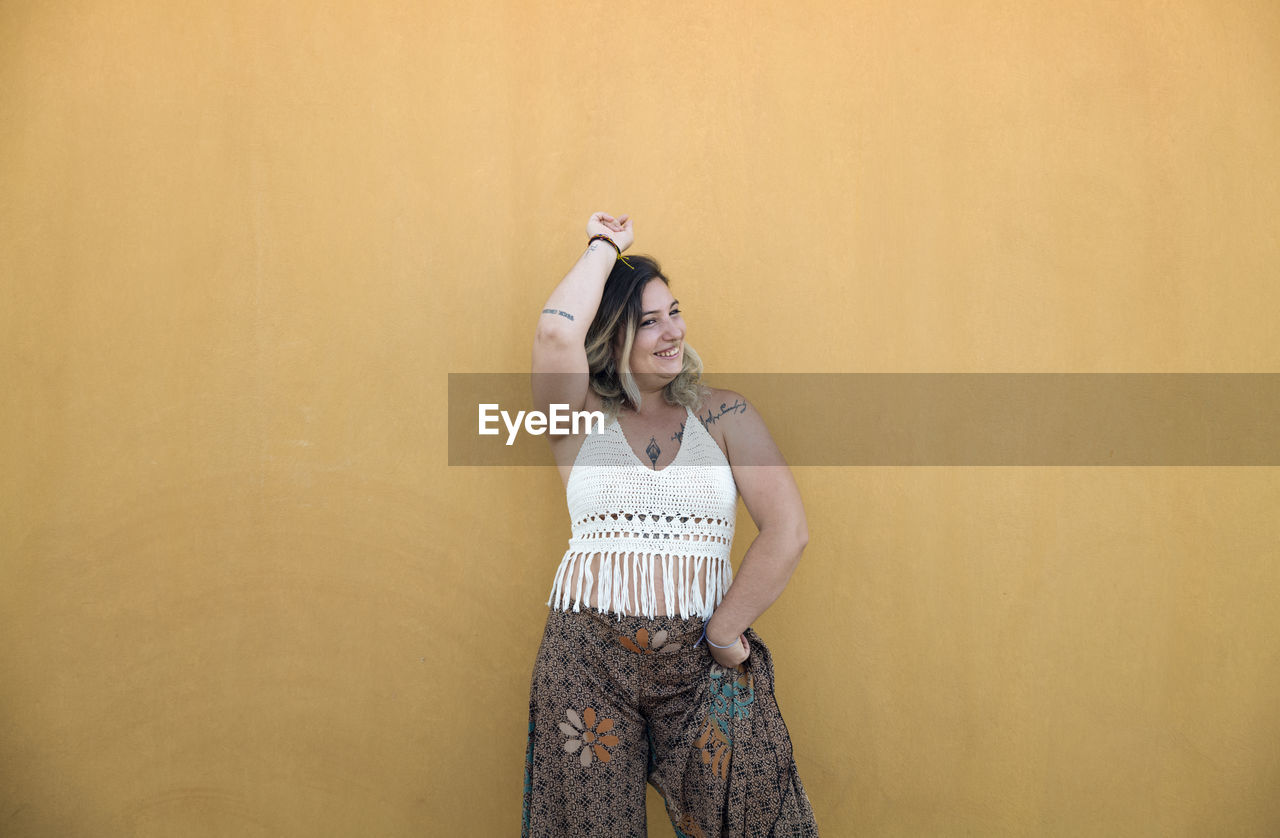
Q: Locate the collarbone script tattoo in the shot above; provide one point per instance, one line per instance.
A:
(557, 311)
(713, 416)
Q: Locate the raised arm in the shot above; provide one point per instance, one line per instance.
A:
(558, 344)
(773, 500)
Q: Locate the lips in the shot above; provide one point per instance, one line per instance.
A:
(673, 352)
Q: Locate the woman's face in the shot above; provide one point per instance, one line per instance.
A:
(657, 355)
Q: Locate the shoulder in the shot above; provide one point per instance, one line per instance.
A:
(738, 428)
(717, 404)
(721, 412)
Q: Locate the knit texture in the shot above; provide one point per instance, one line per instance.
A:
(678, 520)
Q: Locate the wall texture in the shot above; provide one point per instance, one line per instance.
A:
(242, 593)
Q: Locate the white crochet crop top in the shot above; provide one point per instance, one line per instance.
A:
(679, 519)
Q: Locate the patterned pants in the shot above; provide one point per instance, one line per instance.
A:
(616, 703)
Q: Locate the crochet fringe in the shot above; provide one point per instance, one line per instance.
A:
(627, 582)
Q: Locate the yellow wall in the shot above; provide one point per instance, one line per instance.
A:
(242, 244)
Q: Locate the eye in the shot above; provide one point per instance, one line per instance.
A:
(648, 322)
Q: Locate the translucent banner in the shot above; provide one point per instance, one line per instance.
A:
(931, 419)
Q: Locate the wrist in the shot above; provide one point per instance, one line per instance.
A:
(605, 241)
(606, 244)
(721, 641)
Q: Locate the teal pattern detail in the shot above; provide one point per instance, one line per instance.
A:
(732, 694)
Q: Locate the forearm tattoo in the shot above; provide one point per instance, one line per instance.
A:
(591, 247)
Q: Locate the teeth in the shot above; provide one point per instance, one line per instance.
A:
(670, 353)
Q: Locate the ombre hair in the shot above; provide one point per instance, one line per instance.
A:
(617, 320)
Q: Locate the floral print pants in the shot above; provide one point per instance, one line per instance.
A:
(618, 702)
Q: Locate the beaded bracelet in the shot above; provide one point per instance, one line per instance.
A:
(603, 237)
(613, 244)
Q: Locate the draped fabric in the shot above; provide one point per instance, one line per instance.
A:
(620, 701)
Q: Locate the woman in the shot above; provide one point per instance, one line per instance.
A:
(648, 669)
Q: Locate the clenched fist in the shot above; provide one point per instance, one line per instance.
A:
(618, 229)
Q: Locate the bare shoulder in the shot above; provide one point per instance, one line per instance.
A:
(738, 428)
(718, 404)
(720, 411)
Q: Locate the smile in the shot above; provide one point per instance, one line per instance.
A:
(670, 353)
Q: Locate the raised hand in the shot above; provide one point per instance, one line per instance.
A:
(618, 229)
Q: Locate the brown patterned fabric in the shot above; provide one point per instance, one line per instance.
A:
(616, 703)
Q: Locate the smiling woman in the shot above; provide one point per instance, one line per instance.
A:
(638, 330)
(648, 669)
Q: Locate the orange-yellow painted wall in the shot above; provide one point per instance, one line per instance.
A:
(242, 244)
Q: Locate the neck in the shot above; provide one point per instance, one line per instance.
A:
(651, 402)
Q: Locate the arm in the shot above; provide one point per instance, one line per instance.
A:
(773, 500)
(558, 344)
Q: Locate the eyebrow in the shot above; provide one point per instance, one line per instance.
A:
(674, 303)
